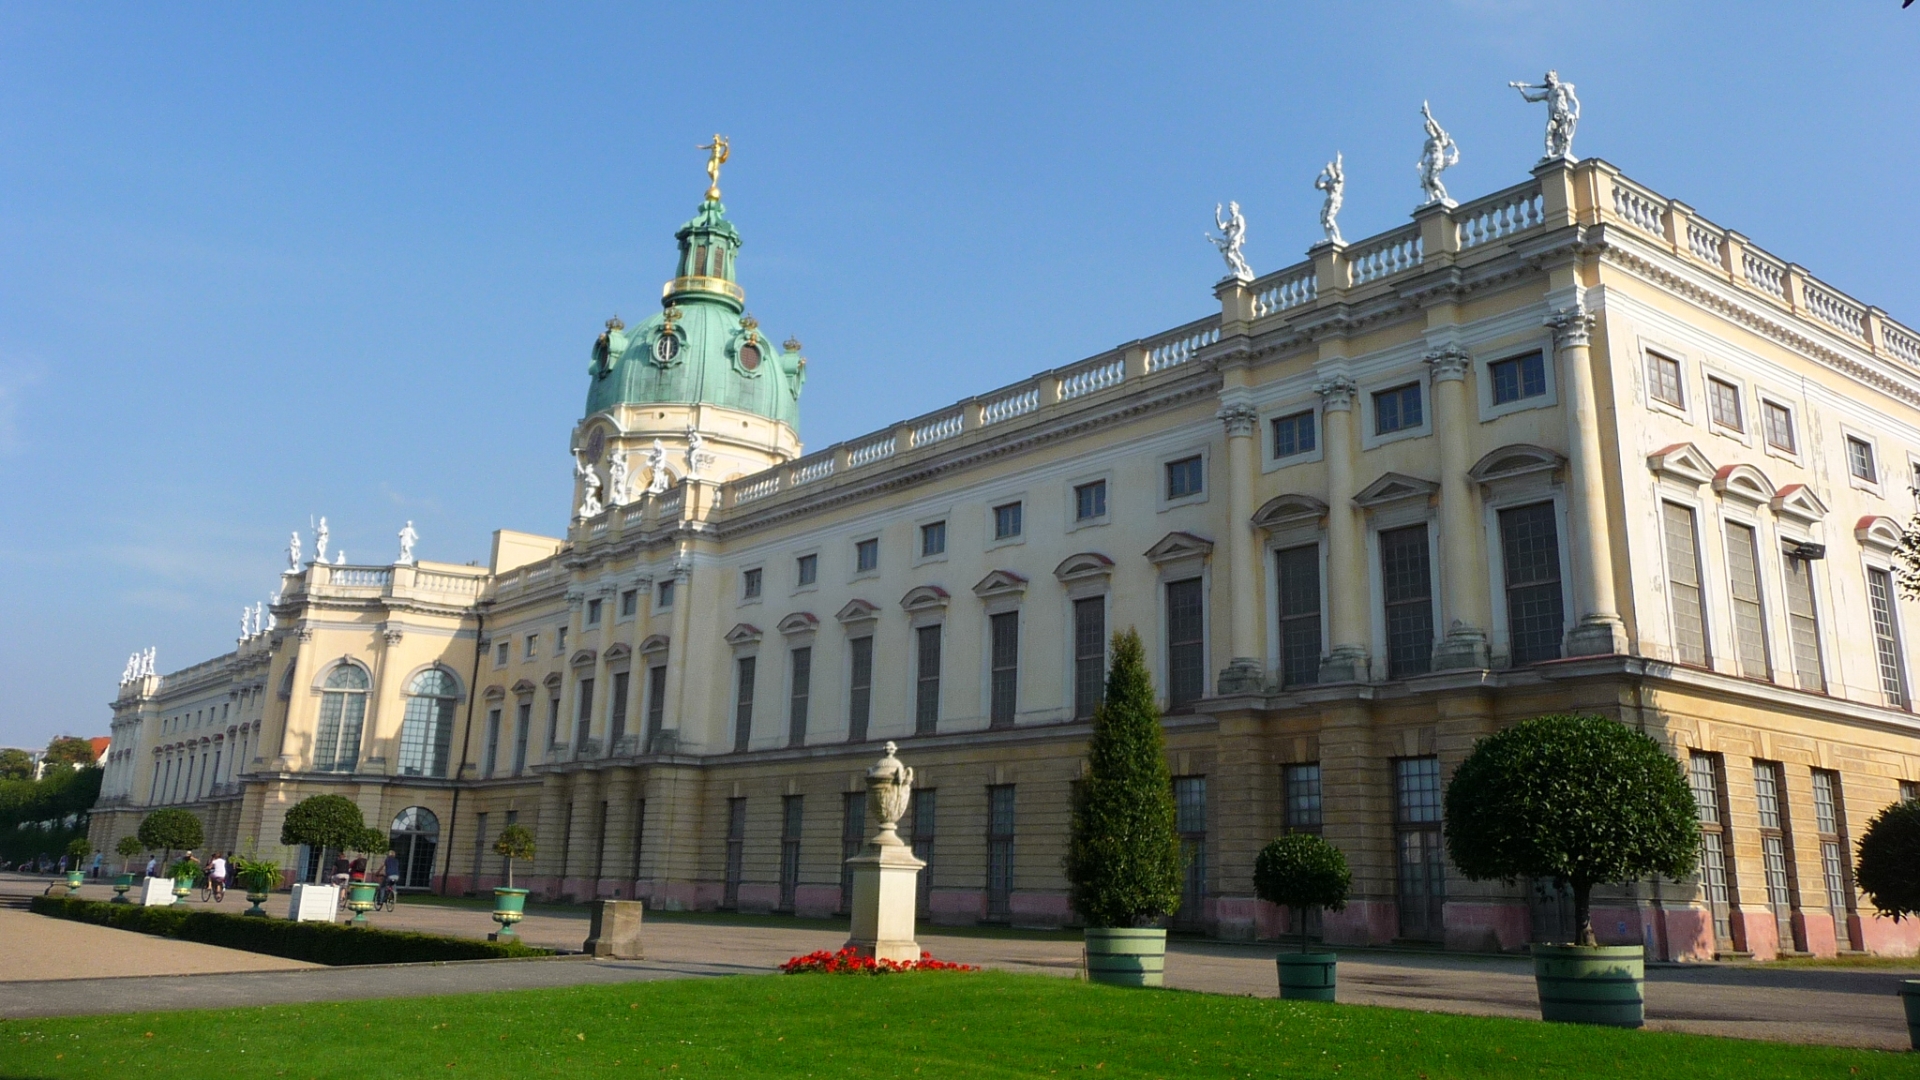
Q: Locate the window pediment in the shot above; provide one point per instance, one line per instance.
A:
(1000, 583)
(1743, 482)
(1393, 488)
(618, 651)
(1799, 503)
(924, 598)
(654, 643)
(523, 688)
(1683, 462)
(583, 657)
(1179, 545)
(1086, 566)
(743, 634)
(1516, 460)
(1881, 534)
(858, 611)
(496, 692)
(1284, 511)
(799, 622)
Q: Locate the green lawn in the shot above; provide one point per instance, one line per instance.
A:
(836, 1026)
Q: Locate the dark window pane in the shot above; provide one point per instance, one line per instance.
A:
(802, 664)
(743, 703)
(860, 688)
(1407, 580)
(1303, 797)
(999, 850)
(1299, 574)
(1397, 409)
(926, 712)
(1186, 643)
(1090, 501)
(1089, 655)
(1005, 668)
(1185, 477)
(1530, 547)
(1293, 434)
(933, 538)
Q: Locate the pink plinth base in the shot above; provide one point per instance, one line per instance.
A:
(1486, 927)
(816, 901)
(1817, 932)
(1684, 934)
(1884, 937)
(1755, 932)
(759, 898)
(1043, 909)
(1363, 922)
(956, 906)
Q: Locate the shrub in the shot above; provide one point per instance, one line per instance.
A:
(324, 823)
(78, 850)
(1889, 867)
(171, 830)
(1579, 799)
(127, 848)
(257, 875)
(315, 942)
(515, 842)
(1123, 859)
(1302, 872)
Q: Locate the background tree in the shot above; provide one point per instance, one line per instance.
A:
(127, 848)
(515, 842)
(1302, 872)
(324, 823)
(1123, 858)
(1582, 800)
(15, 764)
(170, 830)
(1889, 868)
(69, 751)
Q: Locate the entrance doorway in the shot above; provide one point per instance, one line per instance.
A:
(414, 837)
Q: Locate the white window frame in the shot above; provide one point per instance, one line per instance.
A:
(854, 573)
(1872, 487)
(793, 563)
(533, 646)
(1709, 374)
(1293, 407)
(1370, 423)
(1204, 452)
(1689, 396)
(1793, 424)
(1105, 517)
(944, 517)
(1483, 377)
(743, 600)
(994, 504)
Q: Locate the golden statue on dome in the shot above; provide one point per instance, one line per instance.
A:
(718, 151)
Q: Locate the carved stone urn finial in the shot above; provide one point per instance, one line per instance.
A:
(889, 787)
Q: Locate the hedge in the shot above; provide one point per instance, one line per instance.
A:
(315, 942)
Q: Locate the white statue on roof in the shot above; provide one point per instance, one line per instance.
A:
(1563, 112)
(320, 535)
(657, 477)
(1439, 154)
(590, 488)
(617, 479)
(1233, 236)
(1333, 181)
(293, 553)
(407, 539)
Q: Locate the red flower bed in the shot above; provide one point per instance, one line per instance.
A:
(849, 962)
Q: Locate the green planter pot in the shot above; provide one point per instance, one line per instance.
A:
(256, 899)
(360, 900)
(121, 883)
(509, 907)
(181, 887)
(75, 879)
(1307, 976)
(1121, 956)
(1910, 996)
(1600, 984)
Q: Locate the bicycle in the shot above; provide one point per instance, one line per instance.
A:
(387, 897)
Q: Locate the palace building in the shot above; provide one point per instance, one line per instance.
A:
(1567, 447)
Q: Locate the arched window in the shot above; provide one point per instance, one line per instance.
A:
(415, 834)
(343, 708)
(427, 731)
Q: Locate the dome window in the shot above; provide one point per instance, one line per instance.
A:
(666, 348)
(750, 356)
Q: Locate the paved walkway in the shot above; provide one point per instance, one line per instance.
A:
(1849, 1007)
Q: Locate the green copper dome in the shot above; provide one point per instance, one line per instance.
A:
(702, 348)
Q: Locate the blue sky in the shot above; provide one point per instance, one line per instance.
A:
(259, 264)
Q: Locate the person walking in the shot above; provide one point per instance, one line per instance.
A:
(153, 865)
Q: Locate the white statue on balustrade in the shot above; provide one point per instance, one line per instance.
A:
(1333, 181)
(293, 553)
(259, 618)
(320, 535)
(1233, 237)
(246, 622)
(658, 478)
(590, 488)
(133, 664)
(146, 662)
(408, 538)
(1439, 154)
(340, 557)
(618, 479)
(1563, 112)
(697, 456)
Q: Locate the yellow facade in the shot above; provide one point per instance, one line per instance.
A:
(1567, 447)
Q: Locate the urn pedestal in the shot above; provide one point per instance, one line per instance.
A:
(885, 873)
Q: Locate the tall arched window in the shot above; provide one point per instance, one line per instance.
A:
(343, 708)
(415, 834)
(427, 731)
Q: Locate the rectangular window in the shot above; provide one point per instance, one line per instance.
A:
(924, 804)
(522, 723)
(853, 829)
(1830, 819)
(1422, 877)
(1004, 664)
(629, 603)
(1683, 586)
(1293, 434)
(1803, 626)
(559, 640)
(1303, 797)
(1090, 501)
(656, 705)
(533, 644)
(639, 835)
(1743, 584)
(806, 570)
(790, 807)
(663, 596)
(801, 661)
(1518, 377)
(583, 717)
(1397, 409)
(1663, 380)
(617, 712)
(1909, 790)
(1886, 638)
(1006, 521)
(1779, 426)
(859, 688)
(593, 613)
(933, 538)
(479, 847)
(500, 654)
(1190, 821)
(1703, 774)
(490, 756)
(1186, 477)
(1776, 848)
(926, 696)
(1186, 643)
(743, 702)
(1089, 655)
(1860, 460)
(553, 720)
(1298, 570)
(750, 584)
(1723, 404)
(866, 556)
(1530, 549)
(1406, 577)
(736, 851)
(999, 851)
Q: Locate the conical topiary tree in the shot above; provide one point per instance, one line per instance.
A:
(323, 823)
(1123, 858)
(1889, 868)
(1579, 799)
(170, 830)
(1302, 872)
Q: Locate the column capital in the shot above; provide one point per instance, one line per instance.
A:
(1449, 363)
(1336, 392)
(1239, 419)
(1571, 326)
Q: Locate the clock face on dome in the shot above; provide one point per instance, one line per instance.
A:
(665, 348)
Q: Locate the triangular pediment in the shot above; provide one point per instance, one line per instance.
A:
(1515, 460)
(743, 634)
(1798, 502)
(1879, 533)
(799, 622)
(1393, 488)
(1085, 566)
(858, 610)
(1179, 545)
(1000, 583)
(524, 687)
(1683, 462)
(924, 598)
(1744, 483)
(619, 650)
(583, 658)
(1282, 511)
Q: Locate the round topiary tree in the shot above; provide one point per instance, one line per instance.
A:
(515, 842)
(127, 848)
(78, 851)
(169, 830)
(323, 823)
(1889, 868)
(1579, 799)
(1302, 872)
(1123, 858)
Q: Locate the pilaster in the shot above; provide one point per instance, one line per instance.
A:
(1245, 672)
(1464, 603)
(1597, 629)
(1346, 564)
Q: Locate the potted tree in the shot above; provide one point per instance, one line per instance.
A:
(1123, 859)
(170, 830)
(127, 848)
(77, 853)
(1889, 874)
(259, 877)
(1302, 872)
(186, 873)
(509, 903)
(1584, 801)
(323, 823)
(361, 894)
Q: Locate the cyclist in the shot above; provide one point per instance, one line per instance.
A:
(390, 876)
(217, 877)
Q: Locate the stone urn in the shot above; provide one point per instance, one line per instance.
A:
(360, 900)
(122, 883)
(509, 907)
(1592, 984)
(181, 887)
(885, 872)
(75, 879)
(256, 897)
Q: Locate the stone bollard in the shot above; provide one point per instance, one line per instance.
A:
(885, 871)
(615, 934)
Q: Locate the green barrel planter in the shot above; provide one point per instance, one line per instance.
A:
(1599, 984)
(75, 879)
(181, 887)
(256, 899)
(1123, 956)
(1307, 976)
(509, 907)
(1910, 996)
(360, 900)
(121, 883)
